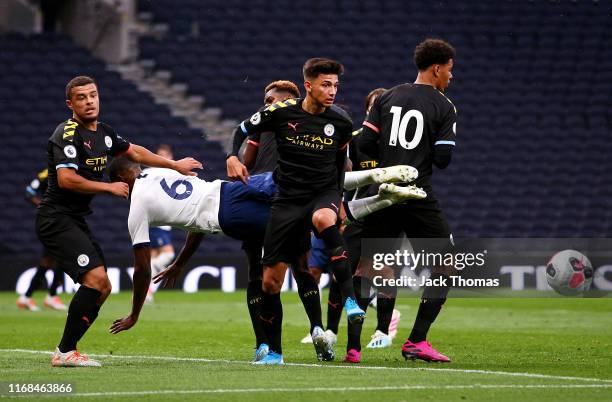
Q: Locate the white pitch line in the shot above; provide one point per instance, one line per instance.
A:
(324, 389)
(332, 366)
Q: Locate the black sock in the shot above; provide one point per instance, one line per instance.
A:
(384, 308)
(254, 301)
(362, 289)
(309, 294)
(82, 313)
(431, 302)
(334, 307)
(339, 262)
(58, 280)
(37, 280)
(271, 317)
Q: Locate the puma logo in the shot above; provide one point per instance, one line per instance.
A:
(333, 305)
(86, 320)
(87, 144)
(269, 322)
(293, 126)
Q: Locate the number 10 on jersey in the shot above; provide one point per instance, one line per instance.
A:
(400, 124)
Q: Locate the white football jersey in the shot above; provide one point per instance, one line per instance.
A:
(166, 197)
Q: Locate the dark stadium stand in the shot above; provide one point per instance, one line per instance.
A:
(531, 87)
(33, 73)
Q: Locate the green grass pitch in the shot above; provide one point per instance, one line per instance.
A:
(197, 347)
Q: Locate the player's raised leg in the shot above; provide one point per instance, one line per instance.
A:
(391, 174)
(388, 194)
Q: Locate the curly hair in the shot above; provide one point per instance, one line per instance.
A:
(432, 51)
(118, 166)
(284, 86)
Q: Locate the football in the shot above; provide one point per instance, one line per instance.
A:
(569, 273)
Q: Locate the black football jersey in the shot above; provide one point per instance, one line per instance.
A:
(266, 153)
(410, 120)
(307, 145)
(360, 161)
(75, 147)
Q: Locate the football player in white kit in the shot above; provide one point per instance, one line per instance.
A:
(163, 197)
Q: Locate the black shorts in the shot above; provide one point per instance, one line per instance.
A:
(401, 220)
(288, 230)
(70, 243)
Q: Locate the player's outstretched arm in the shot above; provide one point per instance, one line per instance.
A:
(141, 280)
(169, 275)
(141, 155)
(69, 179)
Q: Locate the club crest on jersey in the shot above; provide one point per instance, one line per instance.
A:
(108, 141)
(255, 119)
(70, 151)
(82, 260)
(329, 129)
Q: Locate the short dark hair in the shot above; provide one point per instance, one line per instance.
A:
(317, 66)
(285, 86)
(432, 51)
(118, 166)
(78, 82)
(373, 93)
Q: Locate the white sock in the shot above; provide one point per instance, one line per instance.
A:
(353, 180)
(365, 206)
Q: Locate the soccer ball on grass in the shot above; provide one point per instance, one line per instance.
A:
(569, 273)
